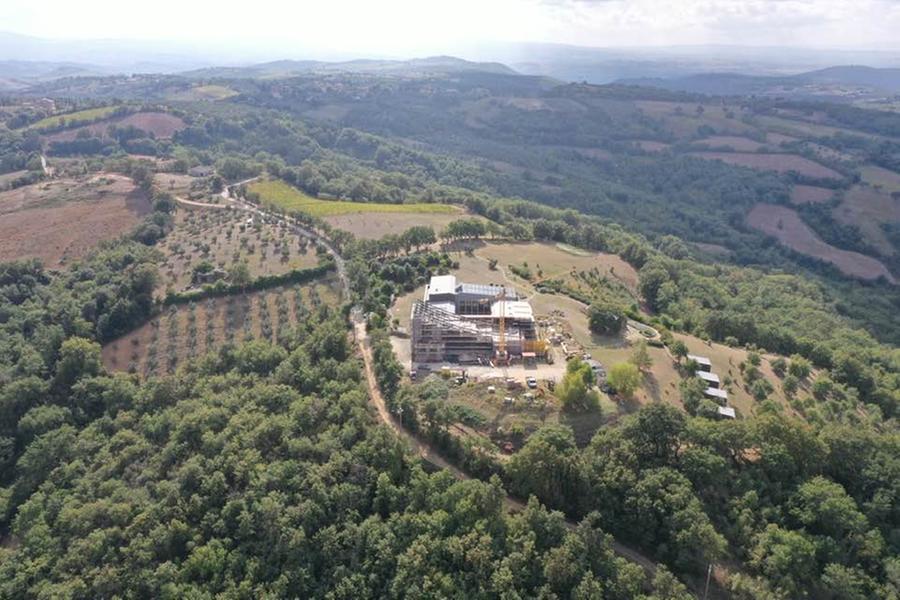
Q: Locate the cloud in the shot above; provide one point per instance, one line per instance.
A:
(813, 23)
(423, 26)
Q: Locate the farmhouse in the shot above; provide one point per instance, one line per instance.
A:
(472, 323)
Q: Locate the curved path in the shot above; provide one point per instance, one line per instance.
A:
(422, 449)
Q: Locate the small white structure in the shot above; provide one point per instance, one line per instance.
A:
(711, 379)
(716, 394)
(726, 412)
(441, 288)
(703, 362)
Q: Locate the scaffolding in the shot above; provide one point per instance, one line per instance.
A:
(439, 335)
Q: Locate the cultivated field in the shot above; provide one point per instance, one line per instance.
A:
(683, 120)
(879, 176)
(827, 153)
(161, 125)
(61, 220)
(224, 238)
(805, 129)
(810, 194)
(73, 118)
(868, 208)
(782, 163)
(205, 92)
(376, 225)
(779, 139)
(788, 228)
(650, 145)
(736, 143)
(188, 331)
(281, 195)
(591, 153)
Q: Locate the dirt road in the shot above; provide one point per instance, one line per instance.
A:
(422, 449)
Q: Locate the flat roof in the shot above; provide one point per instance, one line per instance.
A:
(485, 289)
(705, 376)
(727, 411)
(716, 392)
(441, 284)
(516, 309)
(700, 360)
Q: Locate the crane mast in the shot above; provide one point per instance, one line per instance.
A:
(501, 346)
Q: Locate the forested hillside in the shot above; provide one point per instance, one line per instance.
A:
(258, 467)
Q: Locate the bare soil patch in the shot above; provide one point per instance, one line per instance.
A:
(779, 139)
(651, 145)
(879, 176)
(782, 163)
(591, 153)
(372, 226)
(60, 221)
(788, 228)
(161, 125)
(868, 208)
(810, 194)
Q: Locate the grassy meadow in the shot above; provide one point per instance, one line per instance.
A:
(281, 195)
(88, 115)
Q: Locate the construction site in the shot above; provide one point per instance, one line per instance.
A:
(474, 324)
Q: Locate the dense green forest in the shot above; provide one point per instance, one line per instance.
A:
(259, 470)
(462, 139)
(255, 472)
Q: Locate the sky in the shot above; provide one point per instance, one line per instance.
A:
(419, 27)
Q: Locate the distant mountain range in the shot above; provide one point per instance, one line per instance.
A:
(840, 81)
(421, 66)
(600, 65)
(720, 70)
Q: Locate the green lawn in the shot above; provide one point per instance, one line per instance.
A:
(279, 194)
(74, 118)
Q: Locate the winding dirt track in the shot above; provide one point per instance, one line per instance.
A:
(421, 449)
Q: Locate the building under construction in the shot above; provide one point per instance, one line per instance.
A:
(471, 323)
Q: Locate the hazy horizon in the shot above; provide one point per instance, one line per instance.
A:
(406, 28)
